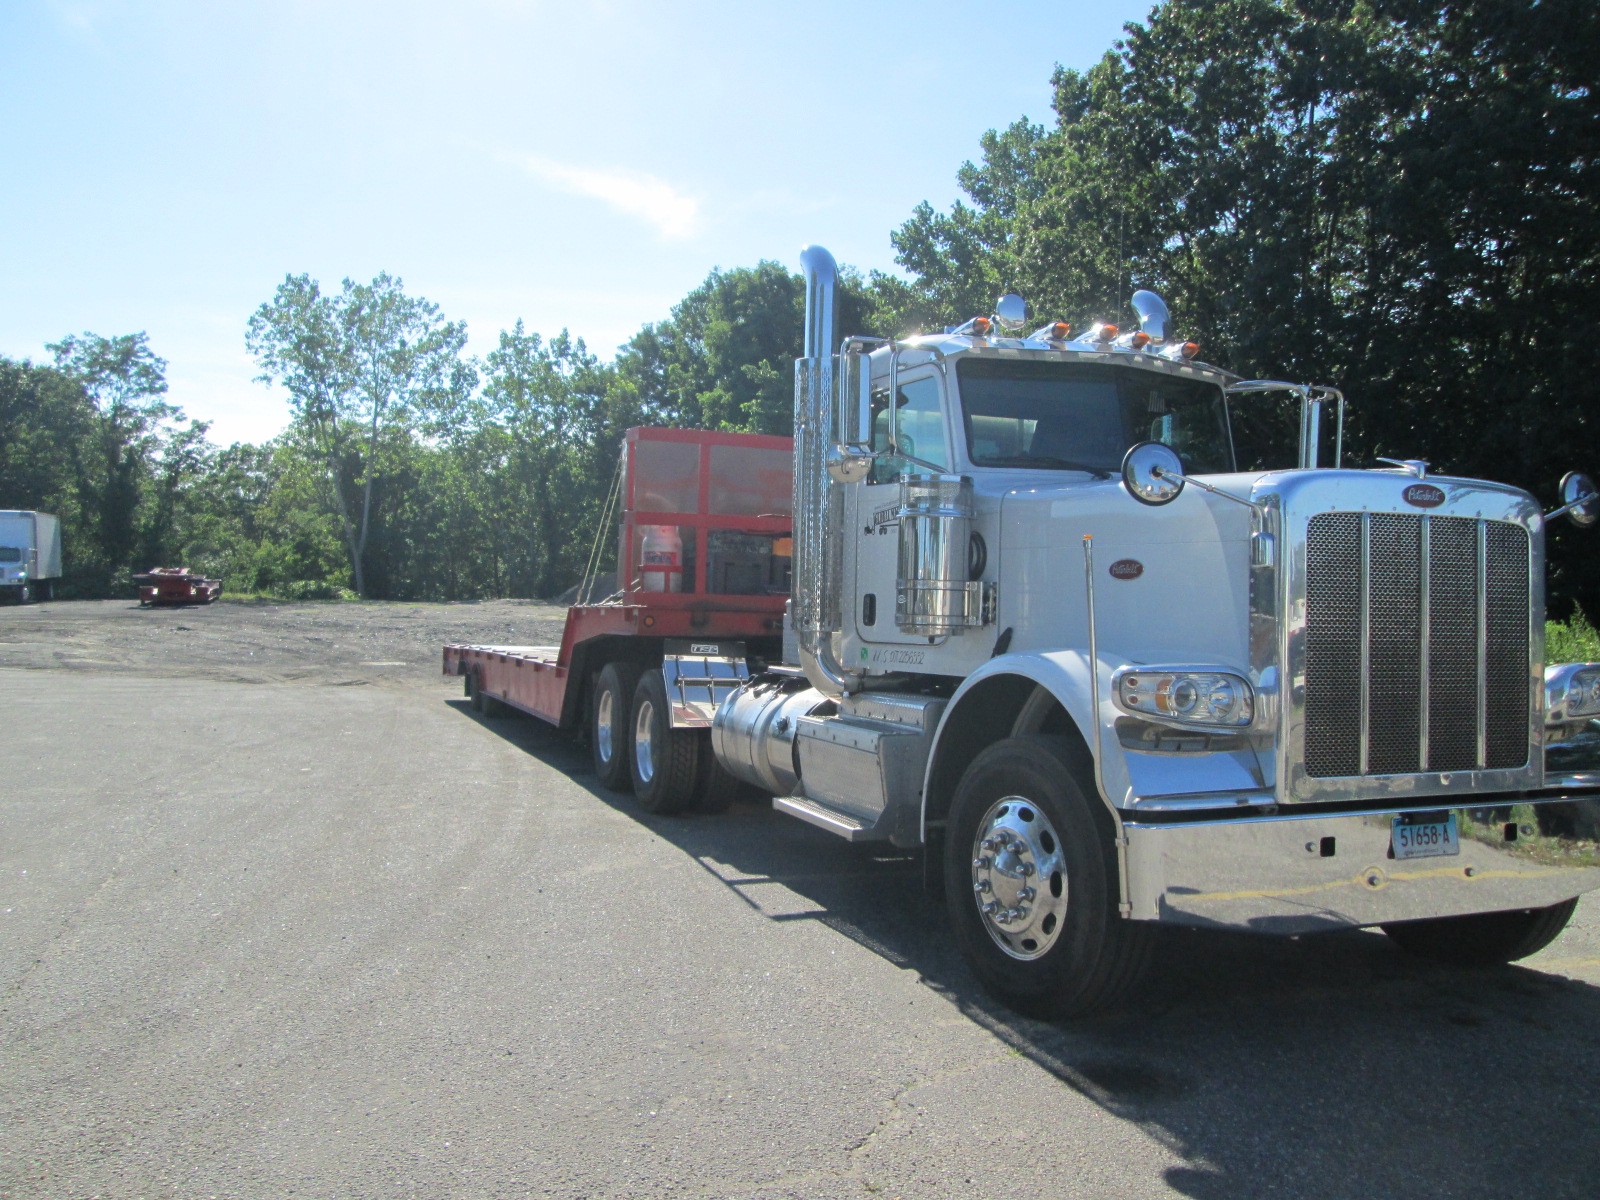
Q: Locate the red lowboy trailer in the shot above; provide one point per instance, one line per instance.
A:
(172, 586)
(703, 574)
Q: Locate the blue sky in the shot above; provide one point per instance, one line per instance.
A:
(578, 165)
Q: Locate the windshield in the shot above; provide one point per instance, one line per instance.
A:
(10, 554)
(1084, 416)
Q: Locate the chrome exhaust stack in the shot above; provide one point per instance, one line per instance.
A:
(815, 609)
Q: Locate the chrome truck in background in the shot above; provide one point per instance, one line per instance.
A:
(1043, 624)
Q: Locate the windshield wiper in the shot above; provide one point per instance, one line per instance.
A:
(1048, 461)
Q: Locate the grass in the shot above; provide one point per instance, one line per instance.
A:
(1571, 641)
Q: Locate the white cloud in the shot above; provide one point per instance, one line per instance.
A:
(673, 214)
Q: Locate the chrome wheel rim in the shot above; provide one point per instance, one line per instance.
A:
(642, 759)
(1019, 879)
(604, 720)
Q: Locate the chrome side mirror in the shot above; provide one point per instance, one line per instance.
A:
(1011, 310)
(1153, 473)
(1579, 500)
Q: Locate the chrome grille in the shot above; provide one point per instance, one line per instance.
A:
(1416, 645)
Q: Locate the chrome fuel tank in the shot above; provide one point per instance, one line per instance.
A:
(753, 732)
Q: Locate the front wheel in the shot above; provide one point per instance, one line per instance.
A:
(1483, 939)
(1031, 884)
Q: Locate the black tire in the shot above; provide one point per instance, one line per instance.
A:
(715, 788)
(610, 724)
(664, 762)
(473, 693)
(1023, 810)
(1483, 939)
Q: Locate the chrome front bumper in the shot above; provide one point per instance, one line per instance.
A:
(1297, 873)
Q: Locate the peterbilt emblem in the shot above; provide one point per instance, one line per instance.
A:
(1126, 568)
(1423, 495)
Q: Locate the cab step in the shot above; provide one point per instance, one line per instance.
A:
(846, 825)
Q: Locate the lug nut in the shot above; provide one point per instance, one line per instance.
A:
(1026, 893)
(1027, 868)
(981, 886)
(991, 908)
(981, 864)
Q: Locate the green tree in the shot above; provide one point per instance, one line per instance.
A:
(547, 403)
(358, 366)
(45, 419)
(137, 460)
(725, 358)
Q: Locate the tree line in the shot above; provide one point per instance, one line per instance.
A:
(1391, 196)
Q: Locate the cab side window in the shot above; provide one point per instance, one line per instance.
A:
(921, 429)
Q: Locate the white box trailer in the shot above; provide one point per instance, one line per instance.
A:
(30, 554)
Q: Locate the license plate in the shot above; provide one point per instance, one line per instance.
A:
(1425, 835)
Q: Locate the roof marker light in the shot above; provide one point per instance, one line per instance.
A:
(1104, 333)
(1056, 331)
(1190, 349)
(1139, 340)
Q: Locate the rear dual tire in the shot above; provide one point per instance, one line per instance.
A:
(636, 748)
(480, 701)
(611, 724)
(665, 762)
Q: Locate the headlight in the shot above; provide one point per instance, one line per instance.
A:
(1187, 695)
(1583, 694)
(1572, 691)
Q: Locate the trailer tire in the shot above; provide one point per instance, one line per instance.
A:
(665, 762)
(474, 695)
(1483, 939)
(610, 724)
(1024, 837)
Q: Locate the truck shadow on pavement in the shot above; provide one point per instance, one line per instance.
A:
(1327, 1066)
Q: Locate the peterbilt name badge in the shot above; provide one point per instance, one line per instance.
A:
(1126, 568)
(1423, 495)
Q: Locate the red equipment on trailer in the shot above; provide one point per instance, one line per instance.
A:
(166, 587)
(703, 566)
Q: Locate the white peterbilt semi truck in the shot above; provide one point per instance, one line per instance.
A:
(1042, 625)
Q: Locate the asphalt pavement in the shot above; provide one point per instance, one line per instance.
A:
(280, 940)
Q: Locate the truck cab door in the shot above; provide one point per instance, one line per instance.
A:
(922, 433)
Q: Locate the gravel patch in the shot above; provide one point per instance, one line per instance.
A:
(381, 643)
